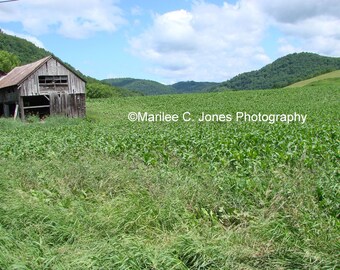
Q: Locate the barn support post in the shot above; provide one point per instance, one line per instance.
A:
(16, 111)
(21, 106)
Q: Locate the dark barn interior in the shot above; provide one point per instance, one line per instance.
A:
(37, 105)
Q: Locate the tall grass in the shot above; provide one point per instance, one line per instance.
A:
(103, 193)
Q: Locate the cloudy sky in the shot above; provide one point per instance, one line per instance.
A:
(176, 40)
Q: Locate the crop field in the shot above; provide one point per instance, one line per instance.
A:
(107, 193)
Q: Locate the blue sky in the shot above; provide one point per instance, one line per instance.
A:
(171, 41)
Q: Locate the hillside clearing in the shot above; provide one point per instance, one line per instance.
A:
(330, 75)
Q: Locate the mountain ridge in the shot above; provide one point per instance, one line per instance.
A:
(284, 71)
(150, 87)
(280, 73)
(147, 87)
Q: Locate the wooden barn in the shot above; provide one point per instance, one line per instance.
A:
(45, 87)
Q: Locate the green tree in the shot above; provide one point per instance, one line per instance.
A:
(8, 61)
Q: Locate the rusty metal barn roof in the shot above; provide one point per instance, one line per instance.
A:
(19, 74)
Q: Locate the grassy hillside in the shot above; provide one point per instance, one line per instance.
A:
(106, 193)
(330, 75)
(27, 52)
(147, 87)
(284, 71)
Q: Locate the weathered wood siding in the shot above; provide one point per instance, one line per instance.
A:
(30, 87)
(72, 105)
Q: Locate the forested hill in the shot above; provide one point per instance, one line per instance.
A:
(193, 87)
(284, 71)
(27, 52)
(147, 87)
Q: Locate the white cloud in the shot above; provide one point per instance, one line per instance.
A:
(73, 19)
(314, 24)
(212, 42)
(136, 11)
(209, 42)
(292, 11)
(29, 38)
(319, 34)
(286, 47)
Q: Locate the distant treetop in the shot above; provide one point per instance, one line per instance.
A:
(8, 61)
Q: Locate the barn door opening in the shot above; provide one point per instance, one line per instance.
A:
(37, 105)
(7, 109)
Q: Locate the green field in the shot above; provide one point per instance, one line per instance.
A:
(106, 193)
